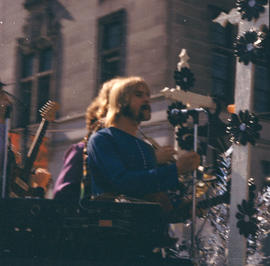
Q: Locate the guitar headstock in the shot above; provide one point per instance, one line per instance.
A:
(48, 110)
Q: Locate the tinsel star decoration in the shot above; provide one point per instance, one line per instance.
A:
(250, 9)
(185, 138)
(248, 48)
(184, 78)
(246, 215)
(175, 117)
(243, 128)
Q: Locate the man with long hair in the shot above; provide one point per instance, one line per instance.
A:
(75, 168)
(121, 163)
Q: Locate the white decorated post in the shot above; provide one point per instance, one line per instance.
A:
(241, 161)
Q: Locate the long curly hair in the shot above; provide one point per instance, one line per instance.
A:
(120, 95)
(97, 110)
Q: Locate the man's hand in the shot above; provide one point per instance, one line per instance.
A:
(188, 162)
(165, 154)
(41, 178)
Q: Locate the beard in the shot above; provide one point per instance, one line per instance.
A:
(144, 113)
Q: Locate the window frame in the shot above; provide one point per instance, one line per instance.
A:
(115, 17)
(263, 63)
(223, 50)
(35, 101)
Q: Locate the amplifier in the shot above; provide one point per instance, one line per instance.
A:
(53, 228)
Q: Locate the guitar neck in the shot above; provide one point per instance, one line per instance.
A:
(33, 151)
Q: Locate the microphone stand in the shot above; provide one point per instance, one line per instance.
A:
(6, 144)
(195, 116)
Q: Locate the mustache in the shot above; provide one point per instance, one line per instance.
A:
(146, 107)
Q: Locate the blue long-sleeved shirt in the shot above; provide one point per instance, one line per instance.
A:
(122, 163)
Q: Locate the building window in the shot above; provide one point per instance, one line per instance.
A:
(111, 47)
(36, 68)
(261, 89)
(223, 61)
(35, 76)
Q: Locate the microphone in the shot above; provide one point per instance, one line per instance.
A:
(176, 112)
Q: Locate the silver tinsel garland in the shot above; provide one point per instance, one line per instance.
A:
(213, 230)
(214, 247)
(255, 246)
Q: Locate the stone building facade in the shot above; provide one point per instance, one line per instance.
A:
(63, 50)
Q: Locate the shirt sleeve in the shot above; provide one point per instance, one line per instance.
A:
(71, 172)
(104, 159)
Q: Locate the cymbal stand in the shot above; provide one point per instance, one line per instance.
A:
(6, 144)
